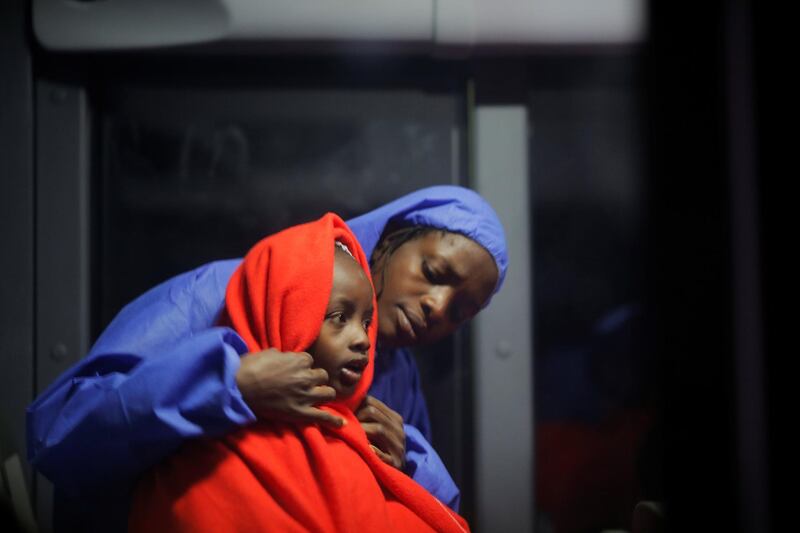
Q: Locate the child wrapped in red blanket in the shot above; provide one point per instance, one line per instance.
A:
(307, 288)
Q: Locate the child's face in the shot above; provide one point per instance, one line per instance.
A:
(343, 345)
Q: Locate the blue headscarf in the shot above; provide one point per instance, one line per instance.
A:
(445, 207)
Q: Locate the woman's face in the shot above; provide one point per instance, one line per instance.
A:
(430, 286)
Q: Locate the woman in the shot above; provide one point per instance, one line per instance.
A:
(159, 375)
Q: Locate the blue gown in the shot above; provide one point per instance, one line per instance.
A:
(162, 373)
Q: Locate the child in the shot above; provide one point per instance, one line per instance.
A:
(293, 292)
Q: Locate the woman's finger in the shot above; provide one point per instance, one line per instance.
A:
(312, 414)
(373, 430)
(384, 438)
(377, 405)
(378, 435)
(307, 359)
(319, 376)
(385, 457)
(322, 394)
(370, 413)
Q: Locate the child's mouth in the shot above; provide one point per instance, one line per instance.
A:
(351, 373)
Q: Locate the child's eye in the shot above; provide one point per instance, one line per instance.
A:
(337, 318)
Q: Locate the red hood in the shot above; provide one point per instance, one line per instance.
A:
(278, 295)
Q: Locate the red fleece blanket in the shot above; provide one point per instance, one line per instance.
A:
(274, 476)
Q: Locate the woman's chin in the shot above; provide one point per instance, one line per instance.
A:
(388, 334)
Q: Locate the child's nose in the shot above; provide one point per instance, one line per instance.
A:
(359, 341)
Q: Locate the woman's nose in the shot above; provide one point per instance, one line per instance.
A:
(435, 304)
(359, 342)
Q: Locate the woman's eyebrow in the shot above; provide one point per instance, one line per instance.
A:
(450, 270)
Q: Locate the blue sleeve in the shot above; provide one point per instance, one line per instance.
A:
(417, 409)
(158, 375)
(397, 384)
(425, 467)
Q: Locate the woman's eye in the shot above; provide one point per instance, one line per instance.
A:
(430, 275)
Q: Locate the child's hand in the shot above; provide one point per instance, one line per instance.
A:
(283, 386)
(384, 428)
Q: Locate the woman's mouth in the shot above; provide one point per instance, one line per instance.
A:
(405, 324)
(410, 324)
(351, 373)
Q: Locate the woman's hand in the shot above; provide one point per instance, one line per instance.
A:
(283, 386)
(384, 429)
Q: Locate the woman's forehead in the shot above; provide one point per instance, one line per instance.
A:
(459, 246)
(467, 259)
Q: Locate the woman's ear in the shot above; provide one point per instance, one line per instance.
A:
(378, 255)
(376, 268)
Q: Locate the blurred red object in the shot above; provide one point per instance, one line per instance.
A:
(586, 475)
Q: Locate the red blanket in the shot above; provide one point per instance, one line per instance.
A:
(275, 476)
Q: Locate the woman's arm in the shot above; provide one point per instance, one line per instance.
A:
(405, 448)
(115, 414)
(158, 375)
(425, 467)
(397, 385)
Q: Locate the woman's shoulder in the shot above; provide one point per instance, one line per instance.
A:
(178, 307)
(397, 364)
